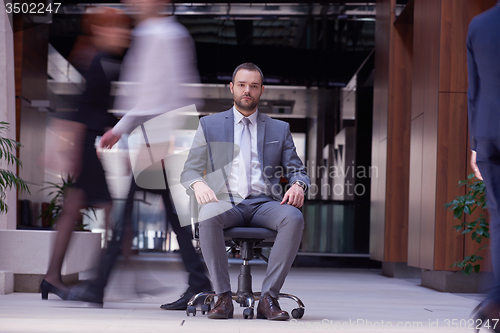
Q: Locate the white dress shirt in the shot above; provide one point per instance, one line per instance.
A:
(257, 177)
(160, 59)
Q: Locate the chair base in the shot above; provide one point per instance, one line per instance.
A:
(246, 240)
(246, 300)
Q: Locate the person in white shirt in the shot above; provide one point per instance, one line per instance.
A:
(160, 60)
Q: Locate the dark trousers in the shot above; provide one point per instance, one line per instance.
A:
(198, 280)
(488, 161)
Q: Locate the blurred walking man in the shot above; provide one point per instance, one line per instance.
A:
(161, 58)
(483, 48)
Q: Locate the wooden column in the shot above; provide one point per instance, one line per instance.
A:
(439, 140)
(420, 140)
(423, 147)
(391, 135)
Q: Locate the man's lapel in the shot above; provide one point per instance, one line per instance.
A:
(261, 130)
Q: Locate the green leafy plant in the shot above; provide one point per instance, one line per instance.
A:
(8, 179)
(479, 228)
(52, 212)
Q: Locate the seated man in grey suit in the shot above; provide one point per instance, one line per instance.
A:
(241, 188)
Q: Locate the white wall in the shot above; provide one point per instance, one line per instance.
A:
(7, 103)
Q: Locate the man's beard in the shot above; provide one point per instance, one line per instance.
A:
(247, 107)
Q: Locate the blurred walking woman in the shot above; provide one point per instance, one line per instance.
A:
(97, 57)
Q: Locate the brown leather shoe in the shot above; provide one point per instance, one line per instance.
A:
(269, 308)
(223, 308)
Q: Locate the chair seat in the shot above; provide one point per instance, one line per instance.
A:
(249, 232)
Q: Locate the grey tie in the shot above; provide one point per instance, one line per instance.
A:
(245, 185)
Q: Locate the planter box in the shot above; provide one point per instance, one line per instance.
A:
(6, 282)
(26, 253)
(400, 270)
(456, 282)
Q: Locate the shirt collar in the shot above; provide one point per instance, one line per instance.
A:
(238, 116)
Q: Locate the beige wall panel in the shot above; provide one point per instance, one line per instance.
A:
(377, 222)
(415, 192)
(426, 41)
(379, 136)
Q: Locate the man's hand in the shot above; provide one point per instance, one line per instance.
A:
(294, 196)
(473, 164)
(204, 194)
(108, 140)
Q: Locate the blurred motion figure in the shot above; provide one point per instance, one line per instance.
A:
(483, 48)
(97, 57)
(161, 58)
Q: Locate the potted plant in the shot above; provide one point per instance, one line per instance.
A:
(8, 179)
(479, 228)
(52, 210)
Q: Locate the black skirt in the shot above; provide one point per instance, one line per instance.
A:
(92, 179)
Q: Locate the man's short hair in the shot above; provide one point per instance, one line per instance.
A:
(249, 66)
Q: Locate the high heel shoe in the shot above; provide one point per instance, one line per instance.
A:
(47, 288)
(486, 313)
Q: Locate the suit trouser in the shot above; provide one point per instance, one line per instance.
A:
(488, 161)
(198, 281)
(255, 211)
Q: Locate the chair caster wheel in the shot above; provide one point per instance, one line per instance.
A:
(298, 313)
(248, 313)
(191, 309)
(205, 308)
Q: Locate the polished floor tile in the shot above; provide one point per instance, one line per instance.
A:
(336, 300)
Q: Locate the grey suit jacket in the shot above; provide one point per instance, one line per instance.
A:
(213, 151)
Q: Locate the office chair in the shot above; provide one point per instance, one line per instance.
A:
(246, 240)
